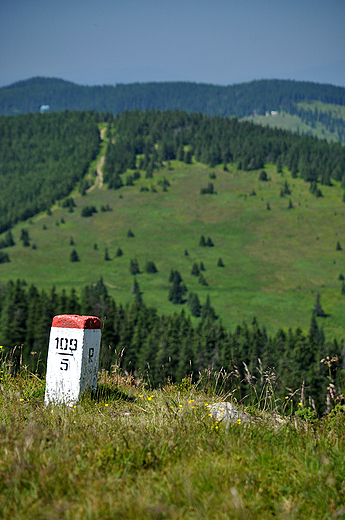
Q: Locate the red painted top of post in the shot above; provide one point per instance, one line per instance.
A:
(73, 321)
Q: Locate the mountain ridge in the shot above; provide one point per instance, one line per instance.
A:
(240, 100)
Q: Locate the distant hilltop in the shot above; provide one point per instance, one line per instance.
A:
(240, 100)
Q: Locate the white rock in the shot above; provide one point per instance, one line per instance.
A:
(228, 413)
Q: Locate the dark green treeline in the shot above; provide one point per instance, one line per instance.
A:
(42, 157)
(166, 347)
(158, 137)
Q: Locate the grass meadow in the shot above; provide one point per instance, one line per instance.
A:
(133, 453)
(275, 260)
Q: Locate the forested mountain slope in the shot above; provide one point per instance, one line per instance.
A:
(191, 206)
(235, 100)
(42, 157)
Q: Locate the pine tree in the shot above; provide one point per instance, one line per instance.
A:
(195, 270)
(186, 252)
(202, 241)
(135, 289)
(338, 247)
(263, 176)
(209, 242)
(220, 263)
(74, 256)
(150, 267)
(318, 310)
(119, 252)
(134, 267)
(194, 305)
(71, 241)
(202, 267)
(207, 310)
(178, 289)
(106, 255)
(202, 279)
(287, 190)
(130, 233)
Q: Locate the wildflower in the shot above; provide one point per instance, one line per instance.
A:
(171, 406)
(191, 401)
(180, 405)
(216, 427)
(192, 406)
(149, 398)
(21, 399)
(209, 415)
(238, 421)
(1, 346)
(141, 395)
(287, 397)
(206, 404)
(75, 406)
(106, 404)
(299, 404)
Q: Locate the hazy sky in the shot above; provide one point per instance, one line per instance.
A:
(94, 42)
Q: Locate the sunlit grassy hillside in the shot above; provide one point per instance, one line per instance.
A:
(133, 453)
(275, 260)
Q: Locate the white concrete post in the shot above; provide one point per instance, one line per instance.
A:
(73, 355)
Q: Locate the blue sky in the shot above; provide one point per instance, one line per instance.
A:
(221, 42)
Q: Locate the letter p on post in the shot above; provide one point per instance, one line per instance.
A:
(73, 355)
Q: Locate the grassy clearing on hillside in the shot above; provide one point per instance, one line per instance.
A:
(133, 453)
(275, 261)
(293, 123)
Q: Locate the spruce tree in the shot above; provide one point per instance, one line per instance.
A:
(338, 247)
(130, 233)
(318, 310)
(195, 270)
(202, 279)
(220, 263)
(202, 267)
(74, 256)
(202, 241)
(119, 252)
(134, 267)
(150, 268)
(209, 242)
(194, 305)
(106, 255)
